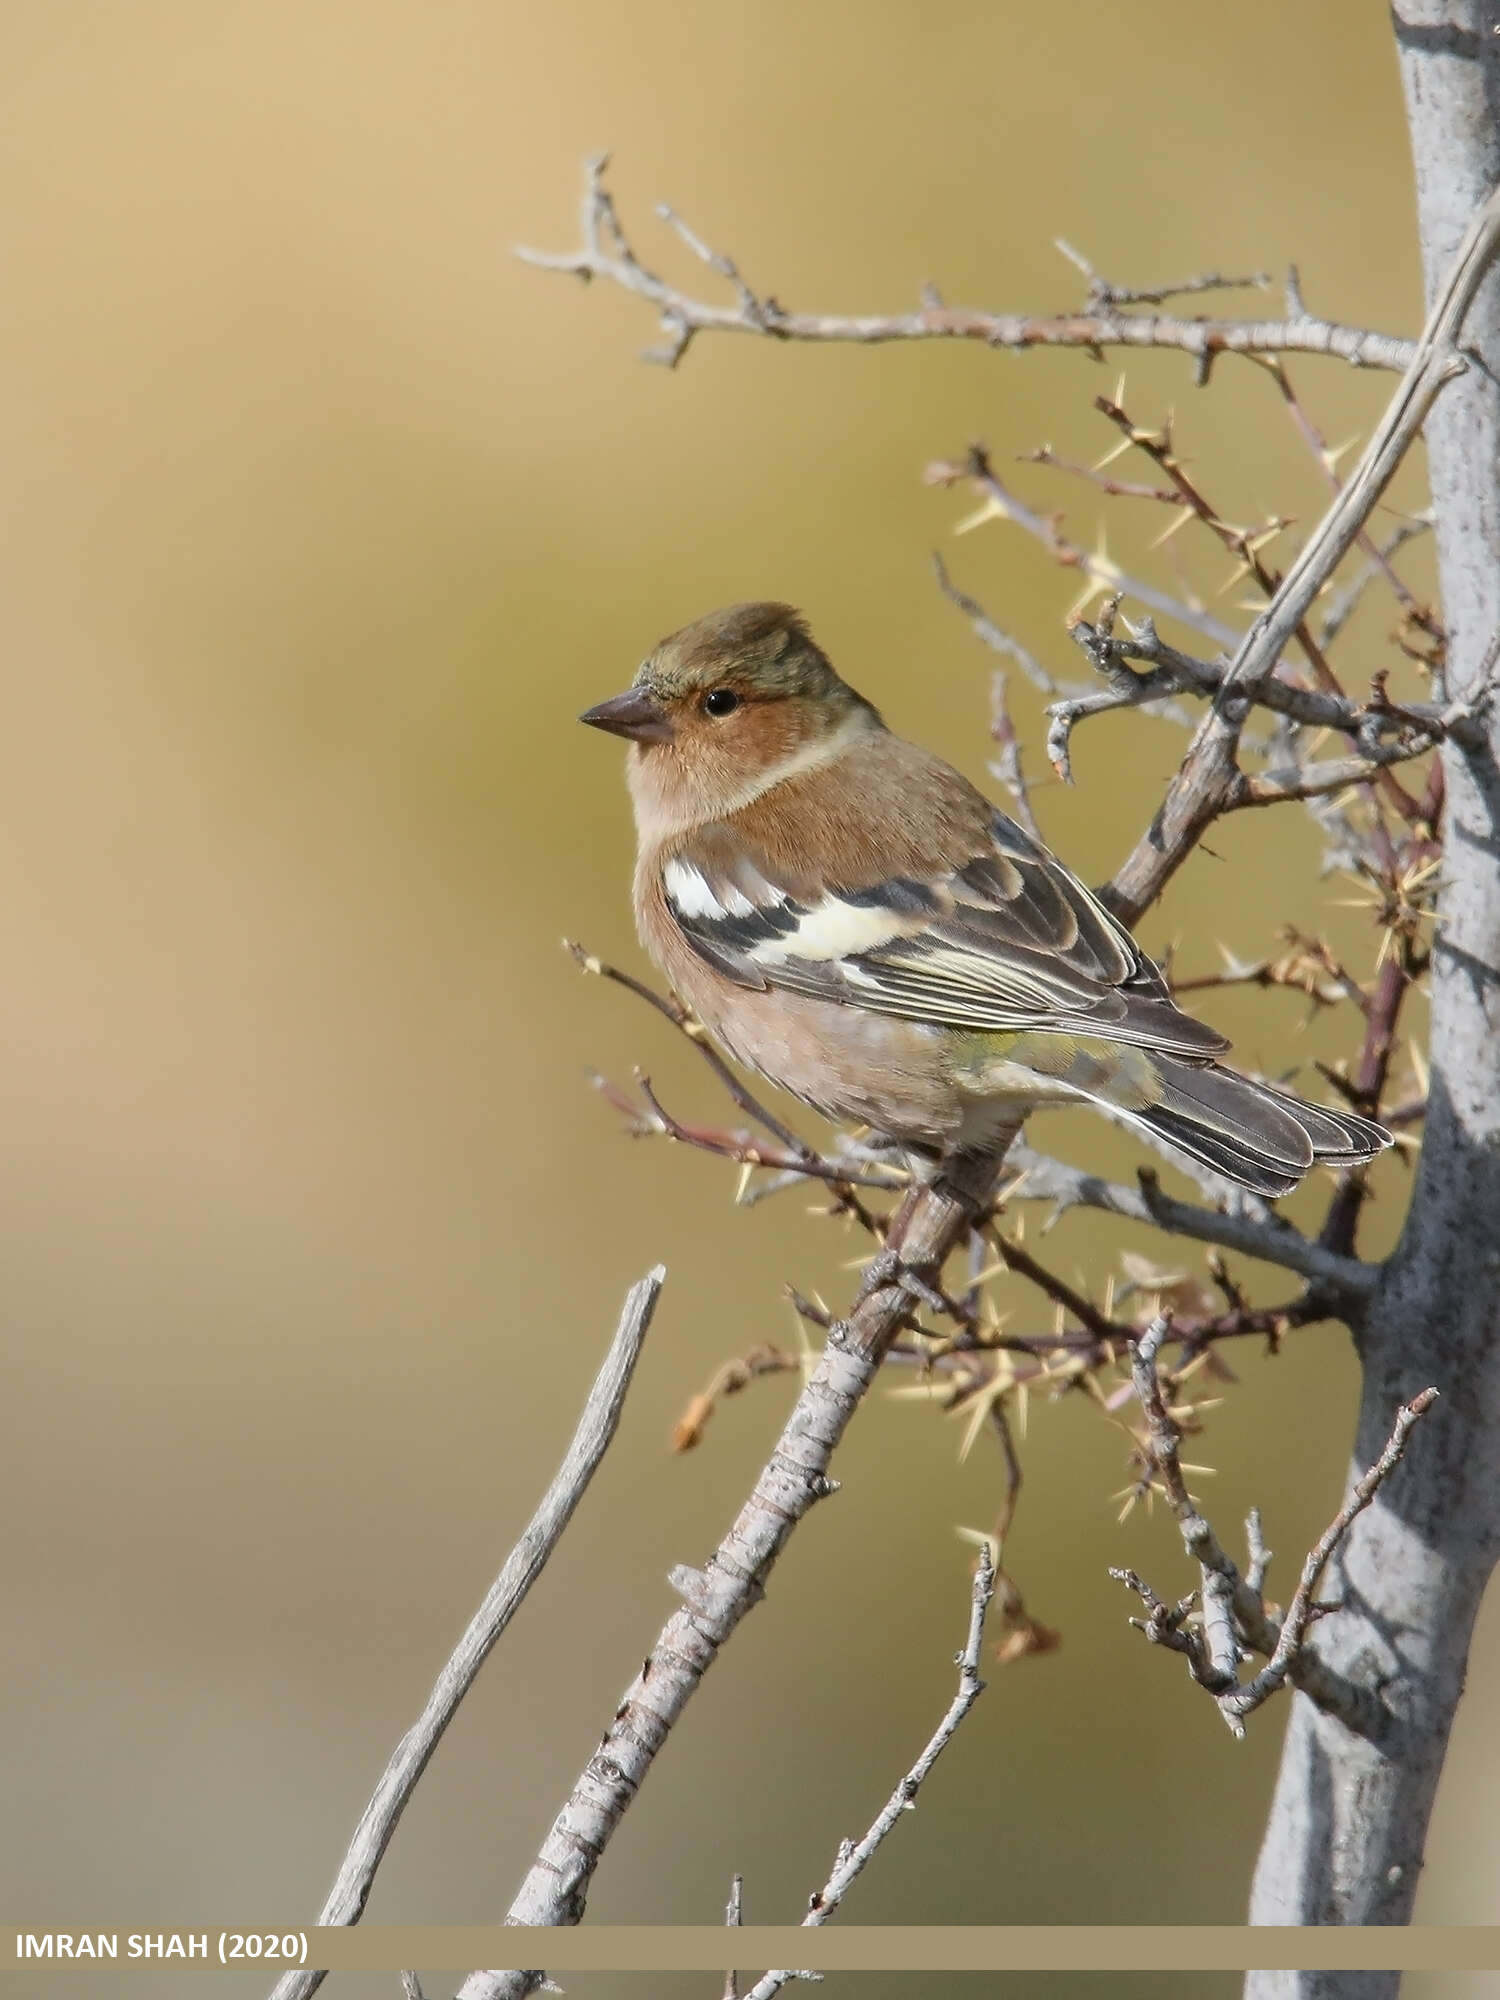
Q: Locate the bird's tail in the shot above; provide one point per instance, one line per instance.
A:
(1263, 1138)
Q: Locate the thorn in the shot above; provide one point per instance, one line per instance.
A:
(988, 512)
(1178, 522)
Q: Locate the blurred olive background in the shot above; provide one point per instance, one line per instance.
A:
(323, 518)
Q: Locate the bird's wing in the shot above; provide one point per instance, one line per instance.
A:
(1009, 941)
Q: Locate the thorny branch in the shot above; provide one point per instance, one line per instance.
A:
(1210, 781)
(1098, 570)
(1208, 773)
(1246, 545)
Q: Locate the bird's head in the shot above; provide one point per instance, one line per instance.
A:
(725, 709)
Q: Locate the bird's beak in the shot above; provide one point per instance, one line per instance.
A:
(636, 714)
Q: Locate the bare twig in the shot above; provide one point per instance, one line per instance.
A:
(853, 1855)
(993, 635)
(1317, 708)
(605, 253)
(1015, 1257)
(797, 1156)
(1233, 1617)
(1300, 1612)
(1214, 1664)
(1103, 292)
(1269, 1239)
(1341, 606)
(596, 1427)
(932, 1221)
(1006, 765)
(672, 1009)
(1092, 475)
(1330, 774)
(740, 1146)
(1307, 967)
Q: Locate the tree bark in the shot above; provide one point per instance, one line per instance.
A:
(1345, 1837)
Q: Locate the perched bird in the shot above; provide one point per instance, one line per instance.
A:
(847, 915)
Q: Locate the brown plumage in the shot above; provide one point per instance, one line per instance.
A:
(851, 918)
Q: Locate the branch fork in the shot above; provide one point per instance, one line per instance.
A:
(1226, 1620)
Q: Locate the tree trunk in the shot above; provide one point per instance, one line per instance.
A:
(1349, 1820)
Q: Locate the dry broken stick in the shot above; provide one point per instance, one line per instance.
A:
(1227, 1618)
(1108, 320)
(733, 1917)
(853, 1855)
(596, 1427)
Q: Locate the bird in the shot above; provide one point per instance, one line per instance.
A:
(849, 917)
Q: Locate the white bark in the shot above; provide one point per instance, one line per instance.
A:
(1345, 1838)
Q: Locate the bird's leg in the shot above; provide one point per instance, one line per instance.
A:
(887, 1261)
(916, 1246)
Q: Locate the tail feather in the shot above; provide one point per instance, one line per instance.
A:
(1265, 1139)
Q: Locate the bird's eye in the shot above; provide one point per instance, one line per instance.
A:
(720, 701)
